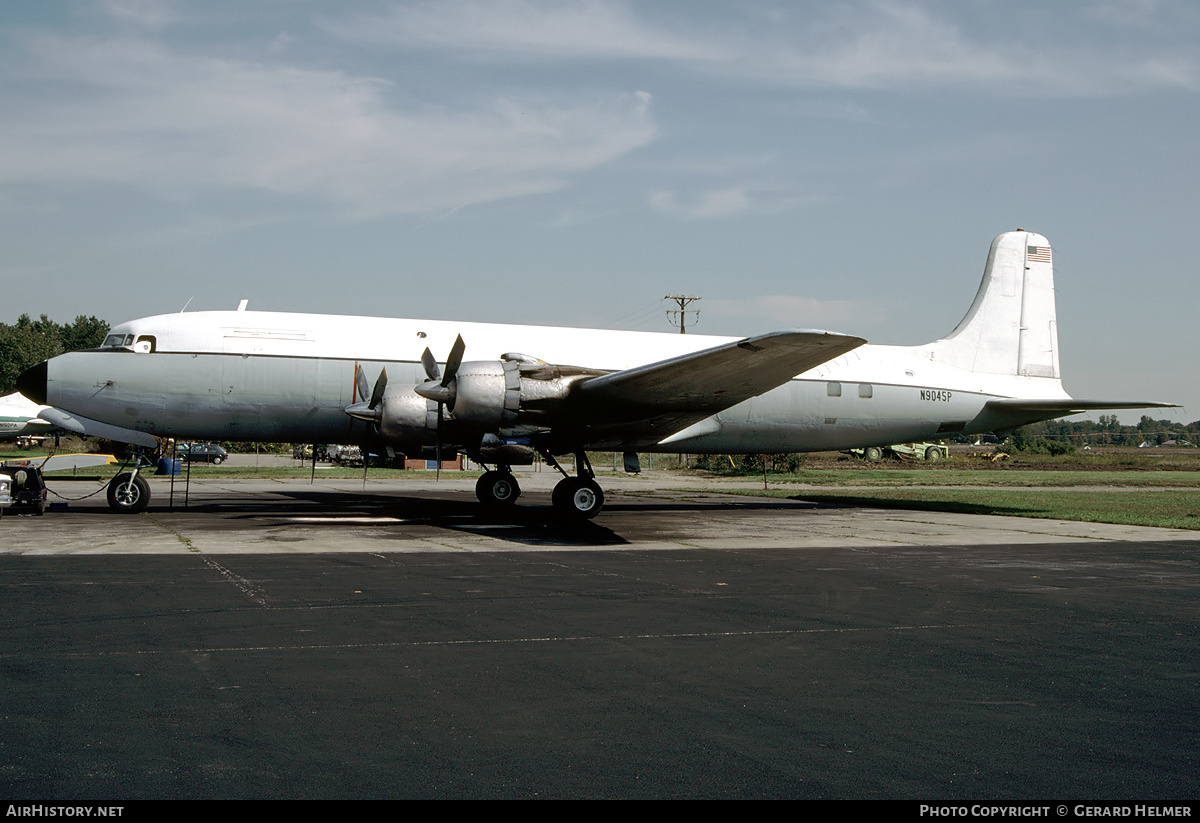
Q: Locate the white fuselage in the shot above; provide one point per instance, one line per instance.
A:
(270, 376)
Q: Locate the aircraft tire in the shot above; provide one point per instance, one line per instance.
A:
(577, 498)
(497, 489)
(873, 454)
(933, 454)
(128, 494)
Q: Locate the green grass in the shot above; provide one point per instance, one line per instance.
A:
(1174, 508)
(984, 477)
(305, 472)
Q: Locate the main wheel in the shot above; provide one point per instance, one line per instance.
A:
(578, 498)
(128, 494)
(497, 488)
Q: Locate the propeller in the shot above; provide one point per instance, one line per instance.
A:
(370, 410)
(440, 388)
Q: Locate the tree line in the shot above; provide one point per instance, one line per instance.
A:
(28, 342)
(1108, 431)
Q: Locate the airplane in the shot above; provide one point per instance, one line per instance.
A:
(306, 378)
(19, 418)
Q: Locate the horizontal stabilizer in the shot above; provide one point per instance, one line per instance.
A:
(1007, 414)
(94, 428)
(1072, 406)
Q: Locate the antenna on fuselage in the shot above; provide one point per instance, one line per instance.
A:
(188, 303)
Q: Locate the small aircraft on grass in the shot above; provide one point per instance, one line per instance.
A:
(539, 390)
(19, 418)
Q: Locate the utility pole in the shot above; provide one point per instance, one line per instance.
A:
(682, 311)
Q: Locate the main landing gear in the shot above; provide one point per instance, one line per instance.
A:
(498, 489)
(574, 498)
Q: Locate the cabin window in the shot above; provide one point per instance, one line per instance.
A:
(834, 389)
(866, 390)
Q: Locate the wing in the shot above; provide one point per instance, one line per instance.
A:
(649, 402)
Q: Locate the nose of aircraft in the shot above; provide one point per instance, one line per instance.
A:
(32, 383)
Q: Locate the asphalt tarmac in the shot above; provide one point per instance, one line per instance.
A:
(281, 639)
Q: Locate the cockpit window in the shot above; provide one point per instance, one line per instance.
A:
(145, 343)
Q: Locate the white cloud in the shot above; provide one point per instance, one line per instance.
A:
(132, 111)
(720, 203)
(524, 28)
(878, 44)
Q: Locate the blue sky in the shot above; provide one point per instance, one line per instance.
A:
(839, 165)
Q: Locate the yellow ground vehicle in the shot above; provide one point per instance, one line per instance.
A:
(903, 451)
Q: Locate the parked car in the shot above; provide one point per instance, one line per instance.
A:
(203, 453)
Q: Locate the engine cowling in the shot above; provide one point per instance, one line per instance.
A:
(502, 395)
(407, 419)
(486, 394)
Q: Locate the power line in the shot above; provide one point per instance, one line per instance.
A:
(683, 311)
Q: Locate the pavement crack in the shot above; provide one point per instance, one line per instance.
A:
(245, 586)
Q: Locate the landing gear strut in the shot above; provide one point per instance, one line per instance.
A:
(577, 498)
(128, 493)
(574, 498)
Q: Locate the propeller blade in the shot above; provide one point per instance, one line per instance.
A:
(431, 367)
(454, 361)
(360, 383)
(377, 392)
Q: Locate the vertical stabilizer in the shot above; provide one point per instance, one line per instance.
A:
(1011, 328)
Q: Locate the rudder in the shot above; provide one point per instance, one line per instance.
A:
(1011, 327)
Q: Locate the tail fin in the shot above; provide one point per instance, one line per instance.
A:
(1011, 328)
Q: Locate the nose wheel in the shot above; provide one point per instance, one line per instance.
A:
(128, 493)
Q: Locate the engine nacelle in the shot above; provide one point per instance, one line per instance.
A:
(487, 394)
(407, 419)
(510, 393)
